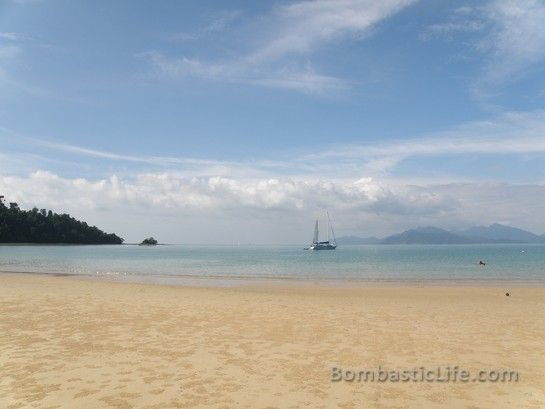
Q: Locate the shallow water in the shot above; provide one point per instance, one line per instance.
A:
(380, 262)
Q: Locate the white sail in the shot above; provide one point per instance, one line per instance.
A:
(323, 245)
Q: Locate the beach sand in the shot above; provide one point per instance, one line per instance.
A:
(73, 343)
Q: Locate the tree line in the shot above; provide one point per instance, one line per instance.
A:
(43, 226)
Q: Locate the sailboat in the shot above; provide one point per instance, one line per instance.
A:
(323, 245)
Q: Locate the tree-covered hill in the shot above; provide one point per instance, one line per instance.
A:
(41, 226)
(150, 241)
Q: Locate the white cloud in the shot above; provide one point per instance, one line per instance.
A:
(160, 194)
(302, 27)
(305, 80)
(222, 20)
(467, 25)
(508, 35)
(181, 209)
(296, 29)
(8, 36)
(463, 19)
(218, 22)
(513, 133)
(180, 36)
(189, 166)
(517, 38)
(188, 199)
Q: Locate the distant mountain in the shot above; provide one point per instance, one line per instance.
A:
(427, 235)
(495, 233)
(349, 240)
(500, 233)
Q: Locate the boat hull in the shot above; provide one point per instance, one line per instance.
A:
(321, 246)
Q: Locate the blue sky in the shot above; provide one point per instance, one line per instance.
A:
(184, 119)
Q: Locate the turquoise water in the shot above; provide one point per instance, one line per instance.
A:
(381, 262)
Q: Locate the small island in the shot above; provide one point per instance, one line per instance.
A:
(45, 227)
(150, 241)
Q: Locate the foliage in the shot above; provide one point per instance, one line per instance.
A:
(41, 226)
(150, 241)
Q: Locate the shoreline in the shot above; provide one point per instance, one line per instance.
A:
(239, 281)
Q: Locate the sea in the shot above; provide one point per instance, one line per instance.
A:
(186, 264)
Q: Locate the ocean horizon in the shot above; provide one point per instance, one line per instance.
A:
(173, 263)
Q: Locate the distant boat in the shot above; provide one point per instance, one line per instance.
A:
(323, 245)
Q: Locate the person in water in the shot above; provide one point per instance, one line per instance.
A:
(482, 263)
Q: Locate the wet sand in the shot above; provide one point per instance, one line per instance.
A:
(67, 342)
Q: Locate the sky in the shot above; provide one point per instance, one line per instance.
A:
(241, 122)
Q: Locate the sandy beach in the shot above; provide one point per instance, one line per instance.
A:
(73, 343)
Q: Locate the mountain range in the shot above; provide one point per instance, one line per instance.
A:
(495, 233)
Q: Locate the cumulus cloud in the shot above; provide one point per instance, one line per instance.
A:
(171, 191)
(354, 182)
(197, 206)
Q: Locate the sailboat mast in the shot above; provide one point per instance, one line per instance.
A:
(330, 226)
(315, 239)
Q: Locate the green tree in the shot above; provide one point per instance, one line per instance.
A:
(42, 226)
